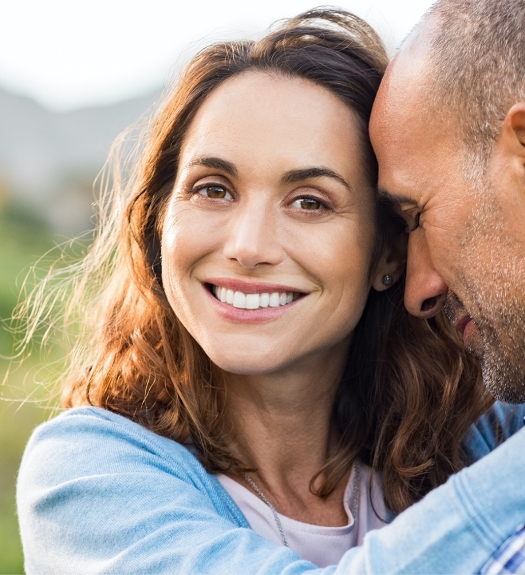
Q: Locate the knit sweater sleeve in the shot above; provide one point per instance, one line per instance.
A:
(100, 495)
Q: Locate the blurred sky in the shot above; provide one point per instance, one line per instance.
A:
(72, 53)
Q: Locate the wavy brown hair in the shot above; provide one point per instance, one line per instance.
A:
(409, 392)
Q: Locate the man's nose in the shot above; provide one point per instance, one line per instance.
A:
(425, 290)
(253, 235)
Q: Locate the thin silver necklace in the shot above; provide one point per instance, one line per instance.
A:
(272, 508)
(353, 504)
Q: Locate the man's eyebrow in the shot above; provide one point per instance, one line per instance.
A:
(294, 176)
(396, 200)
(214, 163)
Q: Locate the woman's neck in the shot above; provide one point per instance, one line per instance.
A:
(281, 425)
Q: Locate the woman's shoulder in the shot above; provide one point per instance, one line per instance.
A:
(84, 449)
(85, 435)
(499, 423)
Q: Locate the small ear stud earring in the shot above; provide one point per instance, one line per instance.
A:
(387, 280)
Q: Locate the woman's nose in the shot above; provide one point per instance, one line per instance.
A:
(253, 236)
(425, 290)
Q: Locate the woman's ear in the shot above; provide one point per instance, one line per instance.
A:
(391, 264)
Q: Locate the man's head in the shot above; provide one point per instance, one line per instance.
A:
(448, 128)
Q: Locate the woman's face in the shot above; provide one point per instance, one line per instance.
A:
(269, 233)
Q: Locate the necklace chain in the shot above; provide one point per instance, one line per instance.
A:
(253, 485)
(353, 504)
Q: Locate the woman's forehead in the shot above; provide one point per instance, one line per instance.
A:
(259, 117)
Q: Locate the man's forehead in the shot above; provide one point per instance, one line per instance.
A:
(400, 95)
(404, 88)
(402, 131)
(397, 136)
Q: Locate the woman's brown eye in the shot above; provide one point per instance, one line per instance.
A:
(308, 204)
(215, 193)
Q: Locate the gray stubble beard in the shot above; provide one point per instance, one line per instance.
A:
(503, 371)
(500, 304)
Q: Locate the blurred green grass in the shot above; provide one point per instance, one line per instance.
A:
(23, 240)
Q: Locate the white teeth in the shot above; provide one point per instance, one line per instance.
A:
(274, 300)
(239, 300)
(253, 300)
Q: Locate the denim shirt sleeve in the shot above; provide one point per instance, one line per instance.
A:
(495, 426)
(98, 494)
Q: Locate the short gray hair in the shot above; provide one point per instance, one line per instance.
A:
(477, 65)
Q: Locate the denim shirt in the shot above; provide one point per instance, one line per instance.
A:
(99, 494)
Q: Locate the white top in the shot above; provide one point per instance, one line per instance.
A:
(321, 545)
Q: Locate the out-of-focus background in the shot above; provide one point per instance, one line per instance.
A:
(73, 75)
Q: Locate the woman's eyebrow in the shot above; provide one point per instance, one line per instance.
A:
(289, 177)
(308, 173)
(214, 163)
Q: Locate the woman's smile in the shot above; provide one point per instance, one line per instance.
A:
(251, 308)
(247, 302)
(251, 295)
(253, 300)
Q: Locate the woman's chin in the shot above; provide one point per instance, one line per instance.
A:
(250, 363)
(248, 368)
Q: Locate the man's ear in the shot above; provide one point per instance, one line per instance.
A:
(516, 118)
(391, 264)
(513, 130)
(508, 157)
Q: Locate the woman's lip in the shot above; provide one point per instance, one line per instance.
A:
(239, 315)
(252, 287)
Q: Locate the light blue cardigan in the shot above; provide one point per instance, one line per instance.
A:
(99, 494)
